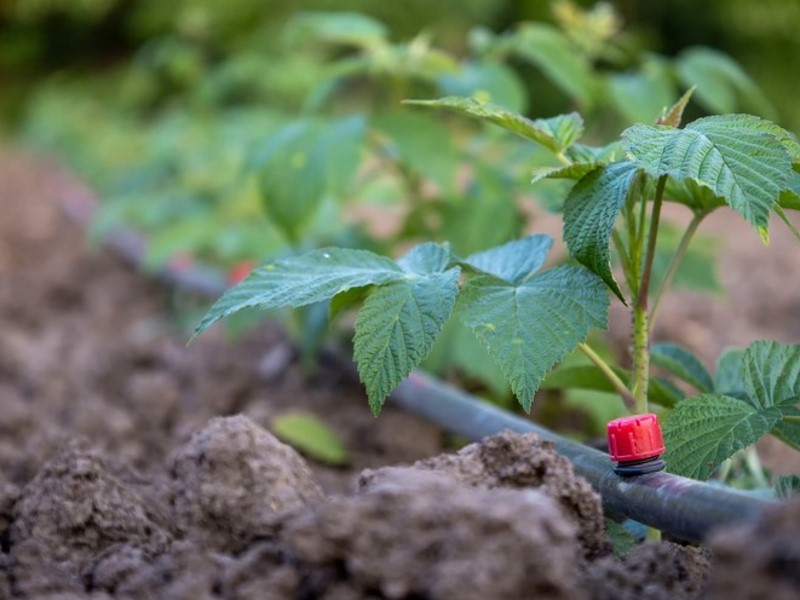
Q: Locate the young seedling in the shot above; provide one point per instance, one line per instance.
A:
(529, 319)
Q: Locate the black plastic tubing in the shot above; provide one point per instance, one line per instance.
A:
(686, 509)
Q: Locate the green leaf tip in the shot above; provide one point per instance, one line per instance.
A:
(556, 133)
(590, 213)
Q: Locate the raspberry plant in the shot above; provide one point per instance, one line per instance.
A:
(529, 318)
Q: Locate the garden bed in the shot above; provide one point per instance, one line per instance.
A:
(161, 500)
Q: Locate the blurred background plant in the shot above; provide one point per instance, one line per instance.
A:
(240, 131)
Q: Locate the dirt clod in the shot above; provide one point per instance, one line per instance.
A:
(759, 560)
(510, 460)
(75, 508)
(650, 572)
(233, 478)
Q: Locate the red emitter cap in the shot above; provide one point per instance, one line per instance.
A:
(635, 443)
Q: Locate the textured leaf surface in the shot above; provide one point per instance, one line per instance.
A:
(737, 156)
(590, 212)
(530, 326)
(396, 328)
(683, 364)
(514, 261)
(399, 322)
(304, 279)
(311, 436)
(702, 432)
(556, 133)
(771, 373)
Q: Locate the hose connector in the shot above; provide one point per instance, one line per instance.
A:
(636, 444)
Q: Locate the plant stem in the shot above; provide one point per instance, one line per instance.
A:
(618, 384)
(675, 263)
(641, 330)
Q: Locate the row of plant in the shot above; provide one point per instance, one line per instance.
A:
(208, 159)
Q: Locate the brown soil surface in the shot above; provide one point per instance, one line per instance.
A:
(131, 467)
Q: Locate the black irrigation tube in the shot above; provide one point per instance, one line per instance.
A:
(686, 509)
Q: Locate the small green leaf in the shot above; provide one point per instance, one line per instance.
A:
(311, 436)
(702, 432)
(530, 326)
(305, 279)
(738, 157)
(683, 364)
(399, 322)
(556, 133)
(622, 540)
(771, 373)
(673, 116)
(589, 377)
(590, 213)
(787, 486)
(574, 171)
(515, 261)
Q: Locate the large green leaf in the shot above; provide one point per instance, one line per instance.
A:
(556, 133)
(722, 86)
(682, 363)
(590, 213)
(399, 322)
(304, 163)
(737, 156)
(553, 52)
(702, 432)
(771, 373)
(529, 326)
(305, 279)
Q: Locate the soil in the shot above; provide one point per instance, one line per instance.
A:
(131, 467)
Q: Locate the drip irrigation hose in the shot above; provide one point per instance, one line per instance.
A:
(686, 509)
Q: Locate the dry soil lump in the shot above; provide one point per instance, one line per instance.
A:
(233, 478)
(521, 461)
(418, 534)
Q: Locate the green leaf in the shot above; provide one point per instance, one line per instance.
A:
(311, 436)
(728, 378)
(673, 116)
(305, 279)
(589, 377)
(573, 171)
(702, 432)
(556, 133)
(590, 213)
(683, 364)
(399, 322)
(771, 373)
(787, 486)
(553, 53)
(736, 156)
(641, 95)
(529, 326)
(302, 164)
(488, 81)
(722, 85)
(421, 143)
(515, 261)
(622, 540)
(343, 27)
